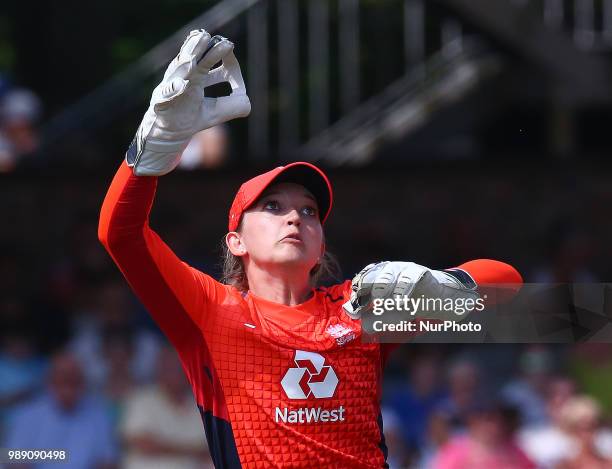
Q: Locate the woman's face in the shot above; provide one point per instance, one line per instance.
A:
(282, 227)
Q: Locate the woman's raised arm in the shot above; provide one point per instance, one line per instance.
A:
(174, 293)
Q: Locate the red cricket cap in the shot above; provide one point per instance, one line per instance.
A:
(300, 172)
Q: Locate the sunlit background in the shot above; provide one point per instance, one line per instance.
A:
(451, 130)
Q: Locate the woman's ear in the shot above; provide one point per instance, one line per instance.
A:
(234, 244)
(322, 251)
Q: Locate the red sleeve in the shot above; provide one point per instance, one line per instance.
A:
(498, 280)
(488, 271)
(175, 294)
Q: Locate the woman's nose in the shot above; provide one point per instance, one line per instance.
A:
(293, 217)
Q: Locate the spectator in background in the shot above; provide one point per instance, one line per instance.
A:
(580, 418)
(438, 434)
(118, 350)
(400, 455)
(591, 367)
(465, 391)
(207, 149)
(65, 418)
(161, 425)
(528, 392)
(22, 369)
(488, 443)
(20, 110)
(547, 444)
(113, 315)
(414, 400)
(22, 366)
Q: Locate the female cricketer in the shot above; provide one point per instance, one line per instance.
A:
(277, 365)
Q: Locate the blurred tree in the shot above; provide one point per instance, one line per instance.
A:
(64, 49)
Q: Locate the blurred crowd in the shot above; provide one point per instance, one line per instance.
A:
(459, 408)
(83, 368)
(20, 113)
(115, 395)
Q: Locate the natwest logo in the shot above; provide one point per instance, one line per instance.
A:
(310, 376)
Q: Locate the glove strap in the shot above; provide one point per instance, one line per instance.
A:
(160, 157)
(462, 277)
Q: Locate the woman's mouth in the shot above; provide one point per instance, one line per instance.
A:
(293, 238)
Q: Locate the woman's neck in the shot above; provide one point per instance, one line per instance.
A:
(286, 286)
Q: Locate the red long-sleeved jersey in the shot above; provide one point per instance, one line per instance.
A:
(277, 386)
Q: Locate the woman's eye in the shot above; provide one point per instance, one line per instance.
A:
(271, 205)
(310, 211)
(274, 205)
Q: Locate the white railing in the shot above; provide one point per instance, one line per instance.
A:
(588, 21)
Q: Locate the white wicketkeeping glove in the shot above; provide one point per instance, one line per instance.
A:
(398, 279)
(178, 108)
